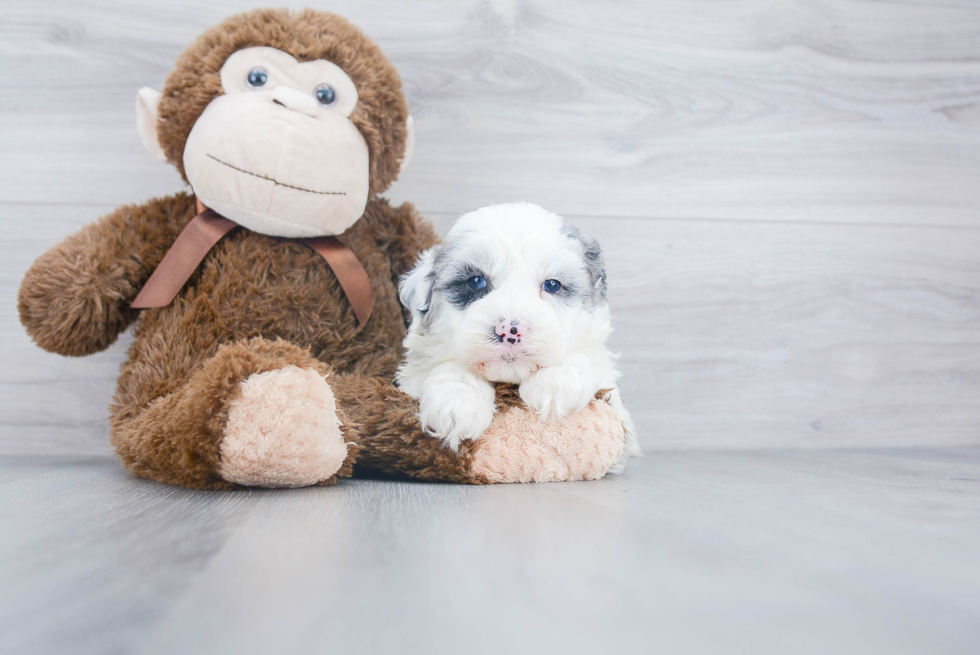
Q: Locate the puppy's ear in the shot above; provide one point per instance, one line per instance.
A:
(596, 266)
(415, 288)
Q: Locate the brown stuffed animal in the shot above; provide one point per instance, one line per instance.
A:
(267, 333)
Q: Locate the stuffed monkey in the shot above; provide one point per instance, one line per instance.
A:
(267, 321)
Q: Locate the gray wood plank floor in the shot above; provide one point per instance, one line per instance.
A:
(787, 195)
(690, 552)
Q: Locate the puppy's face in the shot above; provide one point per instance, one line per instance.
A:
(512, 290)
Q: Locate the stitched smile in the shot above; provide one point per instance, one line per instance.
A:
(277, 182)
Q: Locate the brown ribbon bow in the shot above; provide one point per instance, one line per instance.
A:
(208, 227)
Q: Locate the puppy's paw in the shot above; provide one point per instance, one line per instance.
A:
(557, 391)
(454, 408)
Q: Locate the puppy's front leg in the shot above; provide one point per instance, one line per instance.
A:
(455, 404)
(557, 391)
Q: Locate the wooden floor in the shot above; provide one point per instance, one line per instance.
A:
(788, 194)
(857, 551)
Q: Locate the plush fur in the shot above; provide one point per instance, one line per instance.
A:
(381, 111)
(582, 447)
(232, 382)
(233, 320)
(519, 448)
(282, 431)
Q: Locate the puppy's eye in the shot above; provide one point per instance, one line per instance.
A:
(325, 95)
(257, 77)
(477, 282)
(551, 286)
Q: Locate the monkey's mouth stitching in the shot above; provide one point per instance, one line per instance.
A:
(277, 182)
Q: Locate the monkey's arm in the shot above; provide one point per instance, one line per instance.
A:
(74, 300)
(384, 423)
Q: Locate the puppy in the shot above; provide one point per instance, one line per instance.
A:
(515, 294)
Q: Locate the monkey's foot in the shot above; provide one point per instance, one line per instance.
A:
(282, 431)
(519, 447)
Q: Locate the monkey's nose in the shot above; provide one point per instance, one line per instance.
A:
(296, 100)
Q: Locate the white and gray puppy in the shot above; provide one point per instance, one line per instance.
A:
(515, 294)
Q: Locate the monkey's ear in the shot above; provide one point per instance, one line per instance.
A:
(409, 144)
(147, 102)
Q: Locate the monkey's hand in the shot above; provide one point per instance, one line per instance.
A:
(74, 300)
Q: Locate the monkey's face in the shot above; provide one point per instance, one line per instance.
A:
(277, 151)
(286, 122)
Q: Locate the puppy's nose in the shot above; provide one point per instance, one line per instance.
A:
(510, 332)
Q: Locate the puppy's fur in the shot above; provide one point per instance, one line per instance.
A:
(485, 308)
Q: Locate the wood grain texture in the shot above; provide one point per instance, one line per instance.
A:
(733, 335)
(787, 196)
(765, 552)
(786, 193)
(824, 110)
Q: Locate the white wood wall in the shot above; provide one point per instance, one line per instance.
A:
(788, 192)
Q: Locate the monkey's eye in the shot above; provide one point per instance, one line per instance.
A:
(551, 286)
(325, 95)
(477, 282)
(257, 77)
